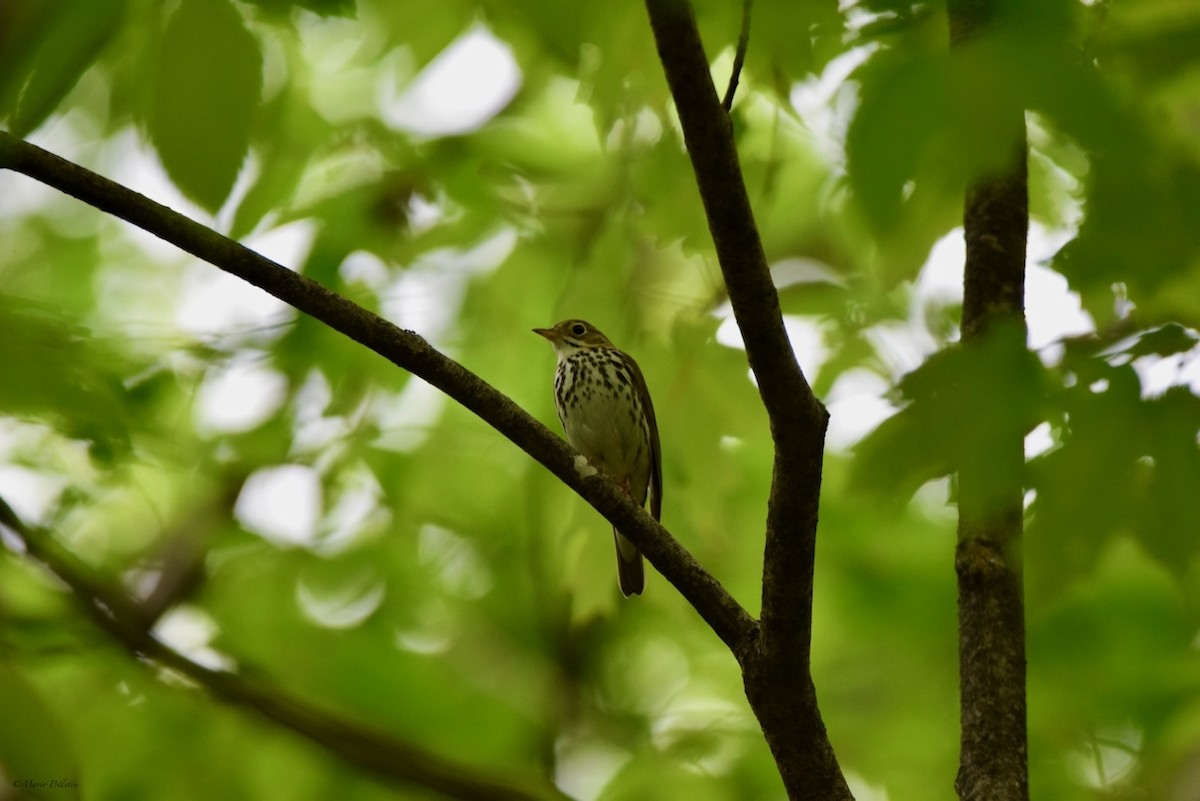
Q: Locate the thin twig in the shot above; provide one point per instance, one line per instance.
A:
(739, 57)
(379, 752)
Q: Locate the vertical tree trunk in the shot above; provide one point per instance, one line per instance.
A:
(993, 763)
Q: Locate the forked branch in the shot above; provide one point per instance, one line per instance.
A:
(777, 676)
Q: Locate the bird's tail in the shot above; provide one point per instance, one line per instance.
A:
(630, 575)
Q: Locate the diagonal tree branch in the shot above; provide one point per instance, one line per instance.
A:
(778, 679)
(409, 351)
(383, 754)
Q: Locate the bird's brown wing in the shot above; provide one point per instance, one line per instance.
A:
(639, 385)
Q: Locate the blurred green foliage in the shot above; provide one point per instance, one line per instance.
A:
(442, 586)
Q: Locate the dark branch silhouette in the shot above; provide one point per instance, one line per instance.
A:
(384, 755)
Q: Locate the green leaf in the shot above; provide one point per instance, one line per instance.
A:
(1159, 38)
(426, 27)
(1171, 511)
(1162, 238)
(36, 756)
(325, 8)
(48, 46)
(55, 371)
(790, 41)
(1085, 487)
(966, 405)
(206, 90)
(284, 157)
(904, 100)
(1167, 340)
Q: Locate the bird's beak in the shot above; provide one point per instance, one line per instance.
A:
(548, 333)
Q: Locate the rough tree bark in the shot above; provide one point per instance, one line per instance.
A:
(993, 763)
(776, 668)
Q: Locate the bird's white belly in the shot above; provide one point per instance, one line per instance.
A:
(603, 432)
(603, 427)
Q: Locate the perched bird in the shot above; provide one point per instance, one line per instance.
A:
(605, 410)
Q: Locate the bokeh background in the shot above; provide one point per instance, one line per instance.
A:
(474, 169)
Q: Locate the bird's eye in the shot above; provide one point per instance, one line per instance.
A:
(578, 329)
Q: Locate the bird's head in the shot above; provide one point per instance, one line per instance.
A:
(572, 335)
